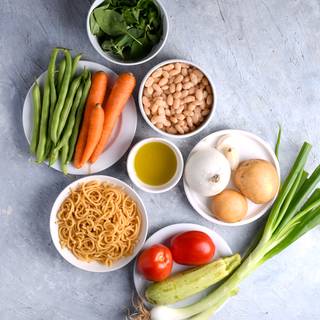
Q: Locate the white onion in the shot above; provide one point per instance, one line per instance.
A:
(207, 172)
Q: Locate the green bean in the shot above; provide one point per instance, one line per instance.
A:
(75, 64)
(63, 158)
(68, 104)
(71, 120)
(53, 94)
(46, 108)
(76, 127)
(36, 97)
(40, 154)
(62, 67)
(62, 97)
(54, 154)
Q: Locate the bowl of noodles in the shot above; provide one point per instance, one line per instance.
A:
(98, 223)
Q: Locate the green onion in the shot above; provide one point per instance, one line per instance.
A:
(276, 151)
(295, 211)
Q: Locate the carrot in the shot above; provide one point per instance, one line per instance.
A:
(94, 132)
(96, 95)
(114, 106)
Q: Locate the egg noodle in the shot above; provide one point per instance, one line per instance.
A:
(99, 222)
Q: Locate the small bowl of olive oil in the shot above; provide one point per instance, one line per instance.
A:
(155, 165)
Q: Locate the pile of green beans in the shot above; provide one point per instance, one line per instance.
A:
(58, 110)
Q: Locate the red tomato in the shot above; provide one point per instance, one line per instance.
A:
(192, 248)
(155, 263)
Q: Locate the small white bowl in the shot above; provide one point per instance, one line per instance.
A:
(203, 125)
(148, 188)
(114, 59)
(95, 266)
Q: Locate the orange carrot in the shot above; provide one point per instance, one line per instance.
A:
(96, 95)
(114, 106)
(94, 132)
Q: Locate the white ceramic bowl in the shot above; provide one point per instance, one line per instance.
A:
(95, 266)
(154, 189)
(250, 146)
(112, 58)
(203, 125)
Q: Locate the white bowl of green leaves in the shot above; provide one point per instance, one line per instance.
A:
(127, 32)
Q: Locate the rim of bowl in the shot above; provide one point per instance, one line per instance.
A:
(209, 117)
(109, 57)
(167, 186)
(143, 233)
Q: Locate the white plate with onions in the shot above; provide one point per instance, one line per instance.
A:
(228, 166)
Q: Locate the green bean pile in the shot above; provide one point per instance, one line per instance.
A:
(58, 110)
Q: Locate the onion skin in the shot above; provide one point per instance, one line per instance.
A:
(258, 180)
(229, 206)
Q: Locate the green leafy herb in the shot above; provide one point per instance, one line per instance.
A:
(127, 28)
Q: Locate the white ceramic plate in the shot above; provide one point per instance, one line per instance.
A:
(250, 146)
(163, 236)
(122, 134)
(95, 266)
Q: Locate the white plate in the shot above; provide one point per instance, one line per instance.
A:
(122, 134)
(95, 266)
(163, 236)
(250, 147)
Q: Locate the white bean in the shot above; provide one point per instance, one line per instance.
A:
(177, 95)
(177, 66)
(199, 94)
(184, 72)
(184, 93)
(174, 72)
(146, 101)
(187, 85)
(178, 78)
(165, 74)
(205, 81)
(156, 87)
(179, 129)
(147, 111)
(172, 130)
(161, 111)
(149, 82)
(168, 67)
(174, 120)
(157, 73)
(209, 100)
(179, 110)
(149, 91)
(172, 88)
(189, 122)
(170, 100)
(179, 87)
(194, 78)
(205, 112)
(176, 103)
(163, 82)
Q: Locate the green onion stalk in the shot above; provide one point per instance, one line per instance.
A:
(295, 211)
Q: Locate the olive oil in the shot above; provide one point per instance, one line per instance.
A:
(155, 163)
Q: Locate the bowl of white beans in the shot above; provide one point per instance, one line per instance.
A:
(177, 98)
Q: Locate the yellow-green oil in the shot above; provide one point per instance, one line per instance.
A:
(155, 163)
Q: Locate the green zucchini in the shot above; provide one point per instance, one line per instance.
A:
(192, 281)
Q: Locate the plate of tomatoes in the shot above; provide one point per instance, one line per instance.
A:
(173, 249)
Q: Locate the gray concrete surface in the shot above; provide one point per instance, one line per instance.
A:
(264, 59)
